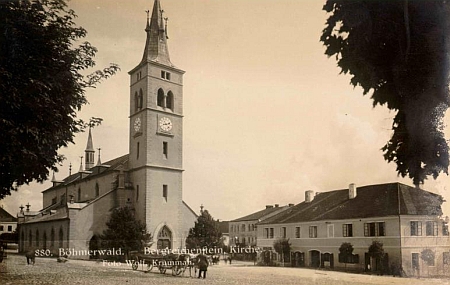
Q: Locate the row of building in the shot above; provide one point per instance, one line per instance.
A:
(406, 220)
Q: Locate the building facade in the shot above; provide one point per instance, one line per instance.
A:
(406, 221)
(243, 231)
(148, 179)
(8, 223)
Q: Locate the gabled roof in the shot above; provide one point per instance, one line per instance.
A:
(261, 214)
(371, 201)
(6, 217)
(109, 166)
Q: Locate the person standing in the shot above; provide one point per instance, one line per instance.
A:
(202, 265)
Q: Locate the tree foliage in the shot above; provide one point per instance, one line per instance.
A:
(398, 50)
(205, 233)
(282, 246)
(124, 231)
(42, 87)
(428, 256)
(376, 250)
(346, 252)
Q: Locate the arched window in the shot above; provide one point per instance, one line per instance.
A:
(140, 99)
(37, 237)
(52, 237)
(79, 194)
(136, 101)
(160, 100)
(169, 100)
(22, 234)
(30, 238)
(61, 237)
(44, 241)
(97, 190)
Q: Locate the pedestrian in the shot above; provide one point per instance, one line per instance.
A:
(202, 262)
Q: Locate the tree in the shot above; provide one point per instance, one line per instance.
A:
(398, 51)
(376, 251)
(345, 252)
(124, 231)
(205, 233)
(428, 256)
(42, 87)
(282, 246)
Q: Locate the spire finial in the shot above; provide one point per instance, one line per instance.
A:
(165, 29)
(21, 208)
(148, 19)
(81, 163)
(201, 209)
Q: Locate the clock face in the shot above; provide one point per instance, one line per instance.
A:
(165, 124)
(137, 125)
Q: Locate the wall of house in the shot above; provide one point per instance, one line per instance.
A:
(7, 227)
(414, 242)
(243, 232)
(330, 236)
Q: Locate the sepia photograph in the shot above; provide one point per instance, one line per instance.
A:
(224, 141)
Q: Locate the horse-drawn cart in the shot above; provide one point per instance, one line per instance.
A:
(178, 263)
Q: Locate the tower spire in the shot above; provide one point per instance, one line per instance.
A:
(89, 152)
(156, 48)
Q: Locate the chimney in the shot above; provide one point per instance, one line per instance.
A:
(276, 205)
(309, 196)
(269, 206)
(291, 205)
(351, 191)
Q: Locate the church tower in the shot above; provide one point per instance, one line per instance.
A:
(156, 142)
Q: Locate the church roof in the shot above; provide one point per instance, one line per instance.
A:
(49, 216)
(371, 201)
(107, 167)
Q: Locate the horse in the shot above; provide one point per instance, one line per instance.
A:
(31, 256)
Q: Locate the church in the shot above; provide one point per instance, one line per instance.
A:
(148, 179)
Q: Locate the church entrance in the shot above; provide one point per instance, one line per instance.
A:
(164, 238)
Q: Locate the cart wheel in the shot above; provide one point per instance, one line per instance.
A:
(135, 264)
(178, 270)
(162, 270)
(149, 266)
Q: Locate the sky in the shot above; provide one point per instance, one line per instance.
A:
(267, 115)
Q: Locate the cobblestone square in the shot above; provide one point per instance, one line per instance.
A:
(15, 271)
